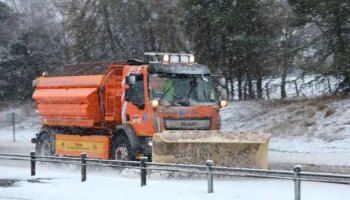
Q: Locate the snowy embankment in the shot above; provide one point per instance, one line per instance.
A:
(53, 184)
(306, 131)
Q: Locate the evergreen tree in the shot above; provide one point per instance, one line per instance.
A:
(233, 37)
(333, 44)
(30, 49)
(31, 53)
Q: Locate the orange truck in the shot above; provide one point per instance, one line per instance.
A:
(112, 110)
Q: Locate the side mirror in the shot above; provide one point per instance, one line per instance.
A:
(222, 82)
(131, 80)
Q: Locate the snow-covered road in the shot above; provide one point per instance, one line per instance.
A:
(317, 149)
(53, 184)
(324, 141)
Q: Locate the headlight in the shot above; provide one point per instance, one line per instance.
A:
(223, 103)
(166, 58)
(191, 58)
(154, 103)
(150, 143)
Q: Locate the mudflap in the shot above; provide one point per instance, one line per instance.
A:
(244, 150)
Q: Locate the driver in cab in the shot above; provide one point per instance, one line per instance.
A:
(163, 89)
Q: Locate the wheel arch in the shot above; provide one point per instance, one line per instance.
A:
(48, 131)
(44, 134)
(130, 133)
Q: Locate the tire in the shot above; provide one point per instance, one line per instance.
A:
(44, 146)
(121, 149)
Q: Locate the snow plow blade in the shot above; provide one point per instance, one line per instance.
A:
(244, 150)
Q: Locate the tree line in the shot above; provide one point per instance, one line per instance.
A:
(245, 40)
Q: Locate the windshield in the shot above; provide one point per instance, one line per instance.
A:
(182, 89)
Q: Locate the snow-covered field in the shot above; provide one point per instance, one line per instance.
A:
(54, 184)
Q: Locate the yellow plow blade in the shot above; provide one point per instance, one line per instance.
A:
(245, 150)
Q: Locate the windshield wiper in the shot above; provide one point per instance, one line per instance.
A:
(166, 91)
(192, 84)
(183, 103)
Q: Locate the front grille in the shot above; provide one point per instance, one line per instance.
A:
(187, 124)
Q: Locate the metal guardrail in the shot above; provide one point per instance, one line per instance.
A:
(209, 169)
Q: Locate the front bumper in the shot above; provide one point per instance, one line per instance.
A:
(146, 146)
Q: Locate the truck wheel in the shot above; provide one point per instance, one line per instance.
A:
(121, 149)
(44, 146)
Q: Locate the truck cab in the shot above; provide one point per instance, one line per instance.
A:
(170, 93)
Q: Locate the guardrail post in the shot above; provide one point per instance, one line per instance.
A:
(143, 171)
(297, 189)
(83, 167)
(32, 163)
(210, 164)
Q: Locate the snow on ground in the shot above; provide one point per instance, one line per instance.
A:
(27, 122)
(303, 131)
(310, 131)
(53, 184)
(27, 125)
(316, 132)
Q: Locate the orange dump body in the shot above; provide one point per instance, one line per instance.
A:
(75, 101)
(69, 101)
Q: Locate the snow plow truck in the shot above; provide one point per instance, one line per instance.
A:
(166, 109)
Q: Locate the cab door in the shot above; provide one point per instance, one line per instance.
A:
(137, 111)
